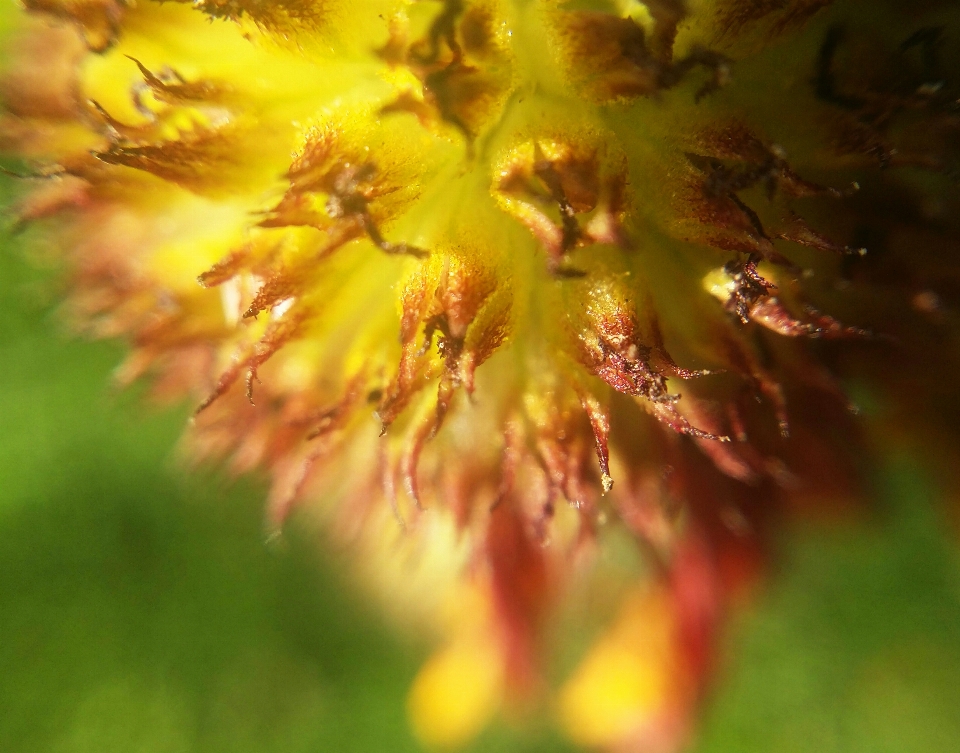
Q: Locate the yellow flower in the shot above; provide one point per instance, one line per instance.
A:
(517, 294)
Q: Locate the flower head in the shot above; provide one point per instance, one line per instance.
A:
(532, 294)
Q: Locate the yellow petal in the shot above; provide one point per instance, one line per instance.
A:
(456, 693)
(623, 684)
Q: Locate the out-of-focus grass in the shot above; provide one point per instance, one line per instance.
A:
(856, 646)
(142, 611)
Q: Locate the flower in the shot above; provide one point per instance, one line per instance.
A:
(527, 300)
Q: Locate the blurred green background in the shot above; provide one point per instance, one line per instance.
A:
(141, 609)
